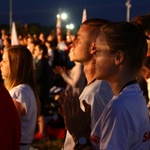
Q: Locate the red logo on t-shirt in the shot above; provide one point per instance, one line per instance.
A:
(146, 136)
(95, 139)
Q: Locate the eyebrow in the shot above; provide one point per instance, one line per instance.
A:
(78, 35)
(106, 51)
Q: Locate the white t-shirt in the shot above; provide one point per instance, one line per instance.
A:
(124, 123)
(24, 95)
(51, 56)
(97, 94)
(148, 87)
(62, 46)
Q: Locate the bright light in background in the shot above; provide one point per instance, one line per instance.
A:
(58, 15)
(63, 16)
(70, 26)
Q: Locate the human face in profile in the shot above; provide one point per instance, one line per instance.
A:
(81, 47)
(5, 65)
(105, 59)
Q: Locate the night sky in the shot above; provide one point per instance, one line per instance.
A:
(44, 11)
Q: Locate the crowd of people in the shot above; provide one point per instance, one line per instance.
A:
(104, 75)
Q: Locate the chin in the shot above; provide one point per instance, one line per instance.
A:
(3, 77)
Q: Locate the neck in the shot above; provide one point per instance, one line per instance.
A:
(119, 84)
(77, 63)
(89, 71)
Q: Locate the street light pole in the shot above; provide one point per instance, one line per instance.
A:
(60, 17)
(58, 25)
(10, 14)
(68, 34)
(69, 27)
(128, 5)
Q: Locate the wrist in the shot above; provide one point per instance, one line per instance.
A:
(62, 74)
(82, 143)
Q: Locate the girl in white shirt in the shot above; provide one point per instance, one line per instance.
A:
(17, 72)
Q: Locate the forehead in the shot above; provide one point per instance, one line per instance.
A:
(83, 30)
(101, 41)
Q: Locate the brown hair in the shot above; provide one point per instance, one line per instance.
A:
(128, 38)
(94, 25)
(143, 21)
(21, 69)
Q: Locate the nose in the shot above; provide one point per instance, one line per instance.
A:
(71, 45)
(0, 64)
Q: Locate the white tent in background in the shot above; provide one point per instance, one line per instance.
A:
(84, 16)
(14, 38)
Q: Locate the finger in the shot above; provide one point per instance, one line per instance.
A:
(63, 101)
(67, 111)
(87, 108)
(67, 107)
(74, 103)
(57, 67)
(62, 95)
(88, 116)
(77, 103)
(69, 94)
(60, 101)
(54, 70)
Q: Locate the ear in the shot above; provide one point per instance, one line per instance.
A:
(119, 57)
(93, 48)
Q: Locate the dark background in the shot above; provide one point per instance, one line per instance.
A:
(44, 12)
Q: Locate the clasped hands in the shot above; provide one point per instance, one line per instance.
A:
(77, 121)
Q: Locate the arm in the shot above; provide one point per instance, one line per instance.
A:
(62, 71)
(74, 78)
(20, 109)
(71, 80)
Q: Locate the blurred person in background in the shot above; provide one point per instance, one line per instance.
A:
(50, 51)
(74, 77)
(42, 78)
(17, 72)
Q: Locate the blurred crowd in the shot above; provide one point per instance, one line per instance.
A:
(54, 70)
(56, 48)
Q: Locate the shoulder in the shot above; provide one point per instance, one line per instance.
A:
(22, 89)
(97, 91)
(97, 87)
(103, 85)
